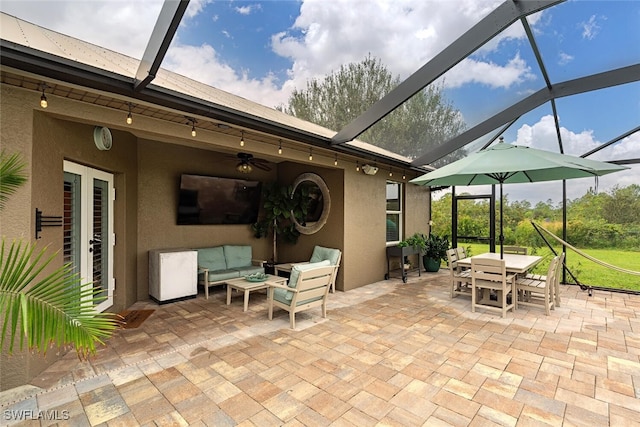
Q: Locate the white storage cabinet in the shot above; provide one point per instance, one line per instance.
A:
(173, 274)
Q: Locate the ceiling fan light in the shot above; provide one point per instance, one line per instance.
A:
(244, 168)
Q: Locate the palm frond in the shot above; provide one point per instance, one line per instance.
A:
(12, 175)
(54, 309)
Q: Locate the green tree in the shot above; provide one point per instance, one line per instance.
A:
(423, 121)
(43, 309)
(622, 205)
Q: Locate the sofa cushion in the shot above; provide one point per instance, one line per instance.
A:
(321, 253)
(237, 256)
(218, 275)
(295, 271)
(212, 258)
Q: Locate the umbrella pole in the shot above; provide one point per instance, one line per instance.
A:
(501, 229)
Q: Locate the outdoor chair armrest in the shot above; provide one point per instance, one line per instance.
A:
(281, 286)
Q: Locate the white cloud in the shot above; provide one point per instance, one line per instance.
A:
(204, 62)
(247, 10)
(515, 71)
(564, 58)
(590, 28)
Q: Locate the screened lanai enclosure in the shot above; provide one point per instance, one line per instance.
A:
(590, 110)
(557, 75)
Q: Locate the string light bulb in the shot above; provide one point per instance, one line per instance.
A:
(241, 138)
(193, 125)
(335, 162)
(280, 146)
(43, 98)
(129, 116)
(390, 172)
(357, 166)
(404, 175)
(310, 154)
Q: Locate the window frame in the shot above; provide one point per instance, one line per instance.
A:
(400, 212)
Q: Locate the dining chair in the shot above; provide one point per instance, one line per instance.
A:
(460, 278)
(558, 276)
(537, 292)
(490, 276)
(518, 250)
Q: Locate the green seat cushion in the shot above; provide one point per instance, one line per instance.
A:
(295, 271)
(212, 258)
(282, 295)
(237, 256)
(216, 276)
(321, 253)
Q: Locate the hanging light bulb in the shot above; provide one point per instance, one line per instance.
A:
(242, 139)
(129, 116)
(280, 147)
(357, 166)
(193, 130)
(335, 162)
(43, 98)
(310, 154)
(390, 172)
(404, 175)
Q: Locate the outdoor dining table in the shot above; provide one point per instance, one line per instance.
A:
(514, 263)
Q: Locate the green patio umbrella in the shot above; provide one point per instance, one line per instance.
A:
(509, 164)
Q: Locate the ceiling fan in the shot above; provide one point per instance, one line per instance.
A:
(247, 162)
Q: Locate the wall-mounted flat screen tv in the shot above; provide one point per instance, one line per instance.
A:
(215, 200)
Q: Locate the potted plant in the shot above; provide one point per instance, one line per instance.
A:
(435, 252)
(279, 202)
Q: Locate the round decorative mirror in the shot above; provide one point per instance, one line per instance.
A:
(319, 202)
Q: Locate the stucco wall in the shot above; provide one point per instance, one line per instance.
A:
(331, 235)
(159, 168)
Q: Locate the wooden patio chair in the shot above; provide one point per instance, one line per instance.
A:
(556, 287)
(518, 250)
(308, 287)
(460, 279)
(539, 291)
(490, 276)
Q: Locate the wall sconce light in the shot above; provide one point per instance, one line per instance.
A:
(43, 99)
(369, 170)
(280, 146)
(129, 116)
(241, 138)
(310, 153)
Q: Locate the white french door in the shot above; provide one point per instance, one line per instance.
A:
(88, 228)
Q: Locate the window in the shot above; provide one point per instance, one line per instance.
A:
(394, 212)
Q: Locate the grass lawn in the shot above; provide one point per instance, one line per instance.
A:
(587, 271)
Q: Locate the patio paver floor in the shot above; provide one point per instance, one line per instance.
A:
(388, 354)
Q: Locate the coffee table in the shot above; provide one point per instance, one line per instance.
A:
(242, 284)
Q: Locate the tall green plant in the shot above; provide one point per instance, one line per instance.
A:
(39, 309)
(278, 204)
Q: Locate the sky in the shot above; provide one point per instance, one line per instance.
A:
(262, 50)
